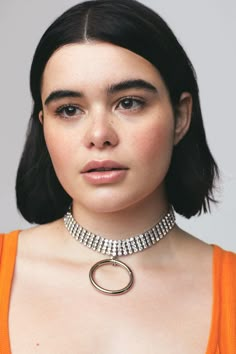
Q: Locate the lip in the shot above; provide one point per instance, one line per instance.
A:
(107, 164)
(115, 174)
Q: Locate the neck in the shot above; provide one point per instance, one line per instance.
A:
(121, 247)
(122, 223)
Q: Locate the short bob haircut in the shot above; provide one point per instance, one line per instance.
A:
(131, 25)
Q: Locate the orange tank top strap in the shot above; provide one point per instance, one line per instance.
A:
(222, 339)
(227, 326)
(8, 249)
(1, 246)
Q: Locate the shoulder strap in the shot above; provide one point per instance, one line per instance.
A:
(228, 303)
(8, 248)
(1, 245)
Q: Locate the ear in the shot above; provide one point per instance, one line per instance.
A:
(41, 117)
(183, 116)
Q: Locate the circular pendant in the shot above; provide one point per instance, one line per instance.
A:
(113, 262)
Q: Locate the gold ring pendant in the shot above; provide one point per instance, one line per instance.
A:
(114, 262)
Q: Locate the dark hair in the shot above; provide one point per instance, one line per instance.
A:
(128, 24)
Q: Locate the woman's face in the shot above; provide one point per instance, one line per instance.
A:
(108, 125)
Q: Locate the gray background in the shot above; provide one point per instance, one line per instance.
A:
(206, 29)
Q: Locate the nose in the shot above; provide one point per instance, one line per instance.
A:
(100, 132)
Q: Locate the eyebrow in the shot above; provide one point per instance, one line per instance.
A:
(131, 84)
(58, 94)
(114, 88)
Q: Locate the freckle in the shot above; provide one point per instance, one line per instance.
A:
(37, 344)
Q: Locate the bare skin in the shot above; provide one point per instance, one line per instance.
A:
(168, 310)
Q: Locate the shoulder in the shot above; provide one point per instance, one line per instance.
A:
(26, 239)
(38, 241)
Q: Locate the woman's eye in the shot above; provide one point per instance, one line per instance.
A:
(68, 111)
(130, 103)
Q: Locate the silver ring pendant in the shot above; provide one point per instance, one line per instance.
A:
(114, 262)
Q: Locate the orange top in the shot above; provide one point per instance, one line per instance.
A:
(222, 338)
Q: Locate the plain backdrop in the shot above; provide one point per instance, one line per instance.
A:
(205, 28)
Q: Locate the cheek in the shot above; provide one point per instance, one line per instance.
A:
(59, 146)
(155, 143)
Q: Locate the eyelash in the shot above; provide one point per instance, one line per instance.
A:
(141, 103)
(60, 111)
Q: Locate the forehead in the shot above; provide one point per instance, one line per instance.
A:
(96, 63)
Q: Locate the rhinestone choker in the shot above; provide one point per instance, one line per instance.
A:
(116, 248)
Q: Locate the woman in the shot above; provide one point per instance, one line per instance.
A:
(115, 144)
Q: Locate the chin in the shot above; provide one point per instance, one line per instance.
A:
(106, 207)
(114, 203)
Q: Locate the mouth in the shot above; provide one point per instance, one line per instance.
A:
(102, 169)
(105, 172)
(102, 166)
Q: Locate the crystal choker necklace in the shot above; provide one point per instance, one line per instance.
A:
(116, 248)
